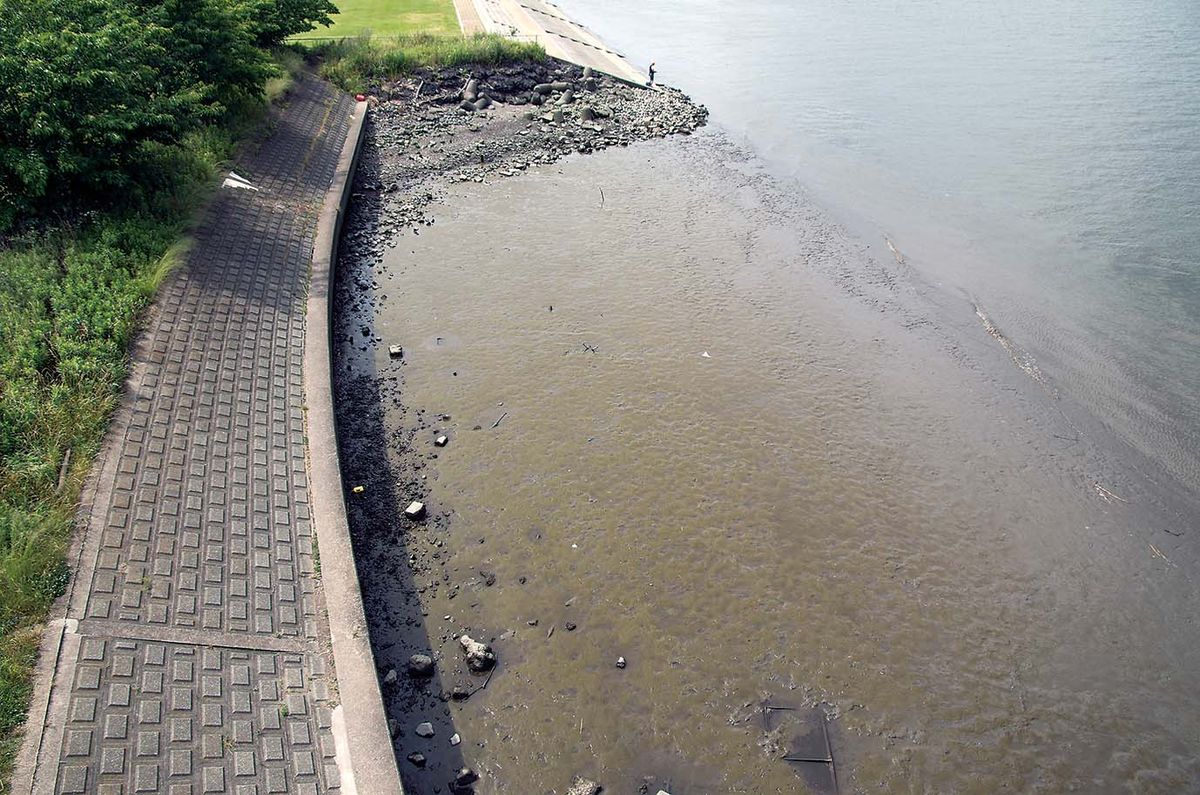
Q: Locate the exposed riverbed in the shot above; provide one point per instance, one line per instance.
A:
(692, 423)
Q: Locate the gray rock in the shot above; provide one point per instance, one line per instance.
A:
(390, 677)
(586, 113)
(417, 758)
(583, 786)
(480, 657)
(557, 117)
(466, 105)
(463, 781)
(424, 729)
(536, 99)
(559, 85)
(543, 88)
(568, 97)
(420, 665)
(482, 103)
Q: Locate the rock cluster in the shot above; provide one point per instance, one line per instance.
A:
(442, 126)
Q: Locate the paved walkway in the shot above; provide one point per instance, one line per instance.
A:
(194, 653)
(544, 22)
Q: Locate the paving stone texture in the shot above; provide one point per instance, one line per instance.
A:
(201, 659)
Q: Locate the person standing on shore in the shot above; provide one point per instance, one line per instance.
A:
(651, 74)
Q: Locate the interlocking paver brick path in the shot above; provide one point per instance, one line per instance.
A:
(197, 663)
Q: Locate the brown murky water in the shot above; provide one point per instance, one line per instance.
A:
(765, 468)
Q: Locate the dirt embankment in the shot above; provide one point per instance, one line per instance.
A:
(423, 134)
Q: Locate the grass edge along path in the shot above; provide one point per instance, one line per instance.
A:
(72, 295)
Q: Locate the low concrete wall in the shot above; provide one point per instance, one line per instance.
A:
(364, 745)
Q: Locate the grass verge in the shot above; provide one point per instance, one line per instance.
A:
(71, 293)
(354, 64)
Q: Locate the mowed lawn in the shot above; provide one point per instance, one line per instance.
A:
(388, 18)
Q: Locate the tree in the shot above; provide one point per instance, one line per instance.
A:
(278, 19)
(87, 84)
(80, 89)
(209, 46)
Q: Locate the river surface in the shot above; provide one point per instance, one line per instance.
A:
(766, 470)
(1042, 159)
(938, 496)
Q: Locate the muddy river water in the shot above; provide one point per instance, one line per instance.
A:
(695, 420)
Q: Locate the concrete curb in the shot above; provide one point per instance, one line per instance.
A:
(364, 744)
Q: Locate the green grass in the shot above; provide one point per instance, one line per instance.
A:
(355, 64)
(71, 294)
(384, 18)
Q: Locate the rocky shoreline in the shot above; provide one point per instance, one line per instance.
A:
(424, 133)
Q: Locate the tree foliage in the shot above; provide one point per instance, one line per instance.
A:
(278, 19)
(85, 85)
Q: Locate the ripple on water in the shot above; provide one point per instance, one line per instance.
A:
(828, 508)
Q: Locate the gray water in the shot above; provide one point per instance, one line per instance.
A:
(1040, 160)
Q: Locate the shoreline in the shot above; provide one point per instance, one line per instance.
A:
(876, 288)
(418, 142)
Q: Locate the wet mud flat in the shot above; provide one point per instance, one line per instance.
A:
(425, 133)
(693, 425)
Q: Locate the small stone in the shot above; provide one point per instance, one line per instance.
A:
(463, 781)
(424, 729)
(621, 662)
(417, 758)
(390, 677)
(583, 786)
(415, 510)
(395, 351)
(571, 626)
(455, 739)
(420, 665)
(393, 727)
(440, 441)
(459, 693)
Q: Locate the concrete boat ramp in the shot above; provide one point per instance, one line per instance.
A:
(545, 23)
